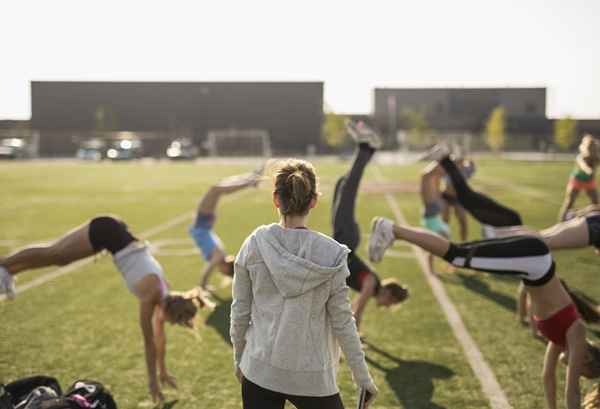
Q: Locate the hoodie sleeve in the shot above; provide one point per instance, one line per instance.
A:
(241, 305)
(344, 328)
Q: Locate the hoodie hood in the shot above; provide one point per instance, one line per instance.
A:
(299, 259)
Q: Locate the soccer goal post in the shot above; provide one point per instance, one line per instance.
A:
(239, 142)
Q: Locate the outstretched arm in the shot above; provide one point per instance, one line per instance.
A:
(549, 373)
(367, 291)
(215, 258)
(577, 352)
(344, 329)
(461, 216)
(583, 165)
(146, 312)
(160, 343)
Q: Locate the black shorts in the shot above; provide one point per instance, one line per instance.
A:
(358, 270)
(593, 223)
(109, 233)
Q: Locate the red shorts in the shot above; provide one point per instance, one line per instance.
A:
(555, 328)
(577, 184)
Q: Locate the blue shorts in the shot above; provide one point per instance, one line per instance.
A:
(205, 238)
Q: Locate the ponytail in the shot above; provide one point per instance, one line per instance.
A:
(296, 186)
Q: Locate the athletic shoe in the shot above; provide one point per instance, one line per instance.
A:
(362, 133)
(437, 153)
(382, 237)
(7, 283)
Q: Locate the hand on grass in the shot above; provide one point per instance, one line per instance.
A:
(155, 392)
(168, 380)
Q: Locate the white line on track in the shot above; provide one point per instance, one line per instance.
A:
(489, 384)
(84, 262)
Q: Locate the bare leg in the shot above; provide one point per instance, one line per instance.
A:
(570, 197)
(73, 246)
(208, 203)
(428, 241)
(571, 234)
(593, 195)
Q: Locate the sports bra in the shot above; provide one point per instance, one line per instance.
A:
(136, 262)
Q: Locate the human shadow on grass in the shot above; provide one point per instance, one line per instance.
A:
(219, 317)
(477, 284)
(411, 381)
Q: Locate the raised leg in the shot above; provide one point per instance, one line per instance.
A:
(345, 228)
(73, 246)
(208, 202)
(481, 207)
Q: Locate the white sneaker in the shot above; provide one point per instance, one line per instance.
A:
(437, 153)
(362, 133)
(382, 237)
(488, 232)
(7, 284)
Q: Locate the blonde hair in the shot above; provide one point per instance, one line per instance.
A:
(592, 399)
(182, 307)
(296, 185)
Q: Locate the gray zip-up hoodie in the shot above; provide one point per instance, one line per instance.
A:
(290, 310)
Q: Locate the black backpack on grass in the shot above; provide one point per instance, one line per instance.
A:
(83, 394)
(16, 392)
(94, 392)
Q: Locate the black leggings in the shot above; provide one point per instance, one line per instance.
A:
(256, 397)
(481, 207)
(109, 233)
(524, 257)
(345, 228)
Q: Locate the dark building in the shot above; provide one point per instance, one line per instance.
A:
(461, 109)
(65, 112)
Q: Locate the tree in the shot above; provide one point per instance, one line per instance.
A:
(495, 129)
(419, 133)
(104, 119)
(565, 132)
(334, 129)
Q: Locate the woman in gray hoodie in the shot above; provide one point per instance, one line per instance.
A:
(290, 307)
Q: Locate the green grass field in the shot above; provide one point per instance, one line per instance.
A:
(84, 324)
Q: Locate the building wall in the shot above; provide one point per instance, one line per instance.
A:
(292, 112)
(456, 108)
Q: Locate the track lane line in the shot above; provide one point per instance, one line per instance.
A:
(489, 384)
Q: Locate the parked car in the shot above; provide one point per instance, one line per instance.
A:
(125, 149)
(181, 149)
(13, 148)
(91, 149)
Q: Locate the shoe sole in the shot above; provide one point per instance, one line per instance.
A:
(374, 224)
